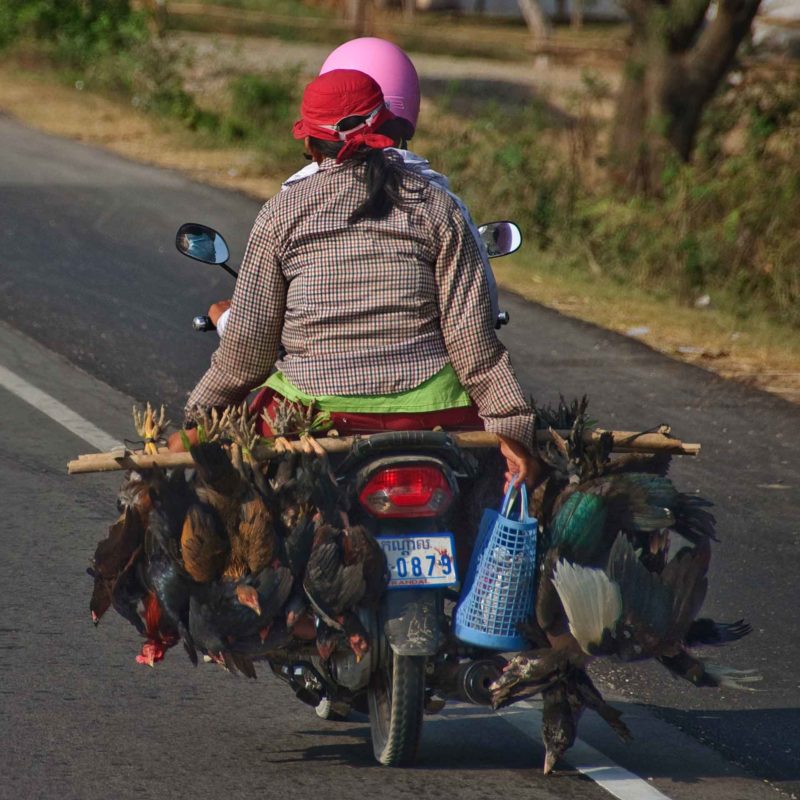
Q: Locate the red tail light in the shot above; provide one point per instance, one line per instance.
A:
(407, 492)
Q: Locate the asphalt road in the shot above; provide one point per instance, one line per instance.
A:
(97, 306)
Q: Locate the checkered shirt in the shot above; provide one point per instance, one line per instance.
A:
(372, 308)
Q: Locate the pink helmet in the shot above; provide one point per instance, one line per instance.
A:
(386, 64)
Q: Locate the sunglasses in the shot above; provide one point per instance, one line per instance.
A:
(347, 125)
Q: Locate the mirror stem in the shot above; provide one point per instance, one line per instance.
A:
(229, 270)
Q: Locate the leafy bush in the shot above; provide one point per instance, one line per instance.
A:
(725, 225)
(106, 45)
(76, 32)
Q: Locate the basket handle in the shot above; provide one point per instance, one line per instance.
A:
(511, 496)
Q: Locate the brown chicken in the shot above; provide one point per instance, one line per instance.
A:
(113, 555)
(204, 545)
(254, 543)
(135, 493)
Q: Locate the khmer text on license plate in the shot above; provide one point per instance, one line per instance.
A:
(424, 560)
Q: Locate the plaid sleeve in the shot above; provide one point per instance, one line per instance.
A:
(249, 346)
(479, 358)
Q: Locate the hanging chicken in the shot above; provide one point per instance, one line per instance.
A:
(608, 586)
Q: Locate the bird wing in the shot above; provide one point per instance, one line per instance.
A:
(592, 602)
(361, 547)
(686, 575)
(124, 537)
(693, 521)
(320, 581)
(274, 585)
(647, 602)
(578, 527)
(203, 545)
(256, 530)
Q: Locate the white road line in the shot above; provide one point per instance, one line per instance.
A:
(57, 411)
(616, 780)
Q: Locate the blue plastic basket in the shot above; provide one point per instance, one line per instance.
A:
(500, 585)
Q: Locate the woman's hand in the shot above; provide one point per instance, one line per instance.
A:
(175, 441)
(523, 466)
(218, 309)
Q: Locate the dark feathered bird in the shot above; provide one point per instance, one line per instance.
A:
(129, 593)
(172, 495)
(173, 588)
(218, 483)
(607, 585)
(564, 704)
(628, 611)
(113, 555)
(306, 492)
(589, 517)
(346, 569)
(226, 618)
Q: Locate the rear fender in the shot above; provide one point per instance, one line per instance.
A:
(412, 621)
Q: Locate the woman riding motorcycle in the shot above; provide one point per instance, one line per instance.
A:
(370, 277)
(392, 69)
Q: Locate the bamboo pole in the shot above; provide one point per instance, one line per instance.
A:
(624, 442)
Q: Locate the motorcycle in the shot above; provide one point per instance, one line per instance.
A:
(404, 487)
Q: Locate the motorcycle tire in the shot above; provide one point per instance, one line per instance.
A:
(396, 697)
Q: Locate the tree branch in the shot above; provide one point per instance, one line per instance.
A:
(685, 19)
(535, 18)
(713, 54)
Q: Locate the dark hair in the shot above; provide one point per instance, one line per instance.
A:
(383, 177)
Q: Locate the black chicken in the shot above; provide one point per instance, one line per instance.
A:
(608, 586)
(346, 569)
(224, 614)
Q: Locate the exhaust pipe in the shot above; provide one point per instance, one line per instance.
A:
(468, 681)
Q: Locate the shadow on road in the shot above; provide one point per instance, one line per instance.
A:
(740, 735)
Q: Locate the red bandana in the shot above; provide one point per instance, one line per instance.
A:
(335, 96)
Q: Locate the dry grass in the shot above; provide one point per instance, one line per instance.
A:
(754, 352)
(757, 353)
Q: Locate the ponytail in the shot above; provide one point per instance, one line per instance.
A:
(383, 177)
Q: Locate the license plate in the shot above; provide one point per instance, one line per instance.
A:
(424, 560)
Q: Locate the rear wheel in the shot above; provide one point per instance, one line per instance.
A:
(396, 697)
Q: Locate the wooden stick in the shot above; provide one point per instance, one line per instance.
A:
(624, 442)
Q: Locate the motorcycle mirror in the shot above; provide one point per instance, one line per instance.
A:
(500, 238)
(202, 244)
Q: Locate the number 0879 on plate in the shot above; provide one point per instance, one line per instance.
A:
(420, 560)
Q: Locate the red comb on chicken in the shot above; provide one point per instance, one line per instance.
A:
(158, 642)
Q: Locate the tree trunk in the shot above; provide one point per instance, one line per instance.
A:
(535, 18)
(357, 16)
(676, 63)
(576, 14)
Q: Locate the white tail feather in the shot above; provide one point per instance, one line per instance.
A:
(591, 599)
